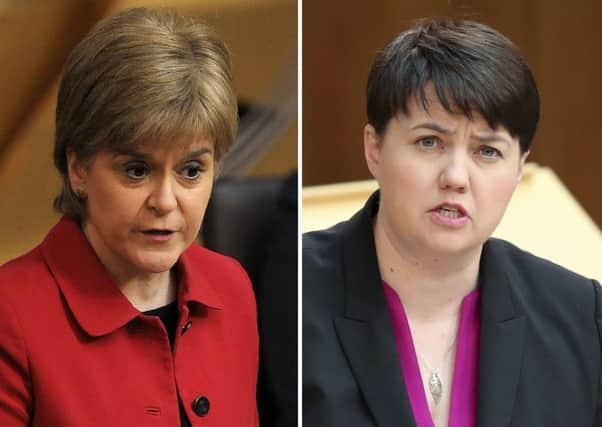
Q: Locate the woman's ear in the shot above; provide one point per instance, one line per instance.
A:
(372, 149)
(77, 174)
(523, 160)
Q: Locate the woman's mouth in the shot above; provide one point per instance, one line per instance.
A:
(160, 232)
(158, 235)
(450, 215)
(449, 212)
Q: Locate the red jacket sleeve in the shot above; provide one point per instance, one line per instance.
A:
(15, 384)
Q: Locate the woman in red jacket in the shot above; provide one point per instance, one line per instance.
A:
(117, 318)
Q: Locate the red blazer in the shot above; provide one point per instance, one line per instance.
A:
(75, 352)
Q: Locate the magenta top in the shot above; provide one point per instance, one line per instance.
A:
(463, 404)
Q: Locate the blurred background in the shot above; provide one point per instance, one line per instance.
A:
(560, 40)
(36, 37)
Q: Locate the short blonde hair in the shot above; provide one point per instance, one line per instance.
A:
(142, 76)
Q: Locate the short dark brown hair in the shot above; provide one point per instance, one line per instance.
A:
(471, 66)
(142, 76)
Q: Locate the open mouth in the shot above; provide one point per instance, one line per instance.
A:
(449, 212)
(154, 232)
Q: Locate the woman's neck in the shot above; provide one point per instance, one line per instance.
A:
(148, 291)
(152, 291)
(431, 286)
(144, 290)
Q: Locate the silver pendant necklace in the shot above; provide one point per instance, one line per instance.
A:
(435, 385)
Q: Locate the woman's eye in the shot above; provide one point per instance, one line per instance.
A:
(192, 171)
(136, 171)
(428, 142)
(489, 153)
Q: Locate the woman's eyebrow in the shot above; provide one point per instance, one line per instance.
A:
(490, 138)
(131, 152)
(199, 152)
(433, 126)
(440, 129)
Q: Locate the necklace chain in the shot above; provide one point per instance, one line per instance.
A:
(435, 384)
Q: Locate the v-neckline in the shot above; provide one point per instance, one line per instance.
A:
(465, 369)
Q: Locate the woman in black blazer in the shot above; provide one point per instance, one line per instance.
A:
(412, 314)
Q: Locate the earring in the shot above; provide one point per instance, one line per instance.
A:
(80, 192)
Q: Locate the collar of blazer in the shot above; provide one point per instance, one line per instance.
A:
(95, 301)
(366, 329)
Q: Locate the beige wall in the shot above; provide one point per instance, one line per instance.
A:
(561, 41)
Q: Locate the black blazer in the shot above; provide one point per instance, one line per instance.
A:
(540, 342)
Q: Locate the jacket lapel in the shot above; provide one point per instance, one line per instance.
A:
(502, 341)
(84, 282)
(365, 332)
(367, 337)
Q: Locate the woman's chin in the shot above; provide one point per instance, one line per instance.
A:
(453, 245)
(155, 264)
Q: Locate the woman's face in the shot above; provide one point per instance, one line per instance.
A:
(445, 180)
(145, 206)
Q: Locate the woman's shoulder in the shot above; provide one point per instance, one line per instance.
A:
(327, 247)
(214, 262)
(323, 250)
(22, 272)
(322, 256)
(28, 292)
(530, 265)
(538, 282)
(223, 273)
(32, 270)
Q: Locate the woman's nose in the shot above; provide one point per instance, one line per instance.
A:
(163, 198)
(455, 175)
